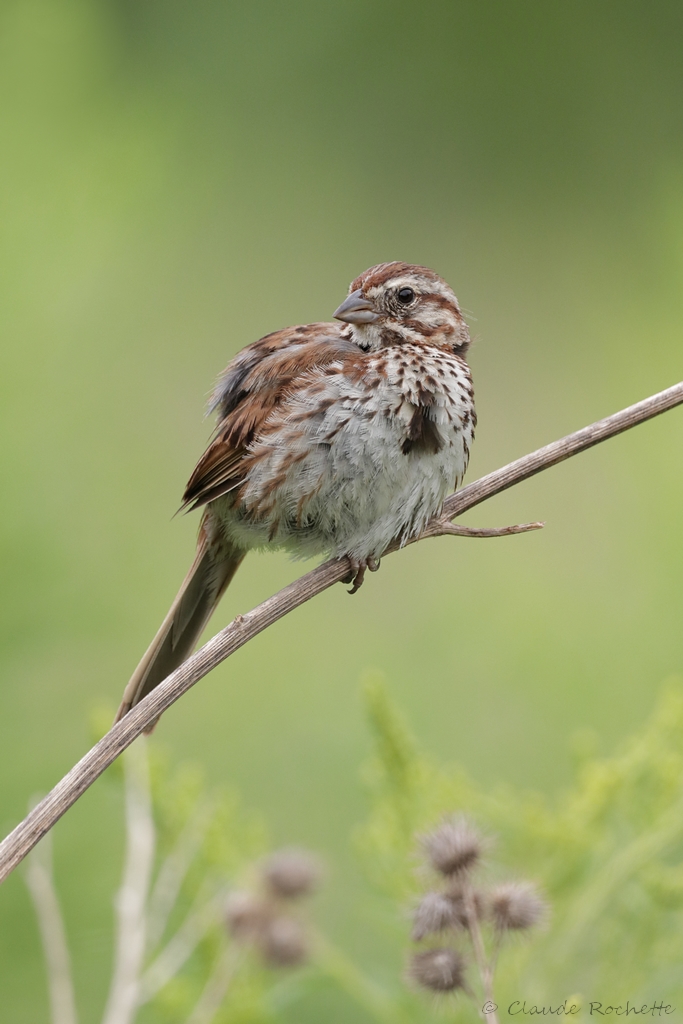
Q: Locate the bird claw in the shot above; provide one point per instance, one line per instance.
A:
(359, 567)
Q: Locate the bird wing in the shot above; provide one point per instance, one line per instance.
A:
(253, 385)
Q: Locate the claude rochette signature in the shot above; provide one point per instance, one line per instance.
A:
(596, 1008)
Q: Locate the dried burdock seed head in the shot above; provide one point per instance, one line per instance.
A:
(291, 873)
(245, 915)
(453, 847)
(479, 903)
(436, 912)
(282, 942)
(441, 970)
(516, 905)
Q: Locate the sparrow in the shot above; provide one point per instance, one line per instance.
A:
(331, 438)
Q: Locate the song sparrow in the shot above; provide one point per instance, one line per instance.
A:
(330, 439)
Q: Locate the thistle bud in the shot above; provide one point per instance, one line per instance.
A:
(441, 970)
(453, 847)
(516, 905)
(291, 873)
(282, 942)
(436, 912)
(244, 915)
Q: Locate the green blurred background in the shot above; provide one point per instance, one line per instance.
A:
(177, 180)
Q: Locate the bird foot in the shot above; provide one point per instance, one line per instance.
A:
(359, 567)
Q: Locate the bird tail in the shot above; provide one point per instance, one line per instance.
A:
(212, 570)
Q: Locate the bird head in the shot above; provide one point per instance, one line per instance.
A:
(394, 303)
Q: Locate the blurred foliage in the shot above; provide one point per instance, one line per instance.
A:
(607, 853)
(211, 844)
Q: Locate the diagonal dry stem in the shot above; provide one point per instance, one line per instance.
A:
(41, 819)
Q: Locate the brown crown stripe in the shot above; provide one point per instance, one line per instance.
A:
(376, 276)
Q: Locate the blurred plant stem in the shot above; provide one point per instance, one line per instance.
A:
(53, 935)
(362, 990)
(173, 871)
(131, 986)
(485, 965)
(131, 900)
(216, 988)
(205, 912)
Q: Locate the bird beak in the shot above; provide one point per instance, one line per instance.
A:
(356, 309)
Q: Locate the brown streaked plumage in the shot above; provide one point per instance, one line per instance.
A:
(332, 438)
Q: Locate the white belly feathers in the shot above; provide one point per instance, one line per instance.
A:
(340, 473)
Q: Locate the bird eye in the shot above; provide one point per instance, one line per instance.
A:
(405, 295)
